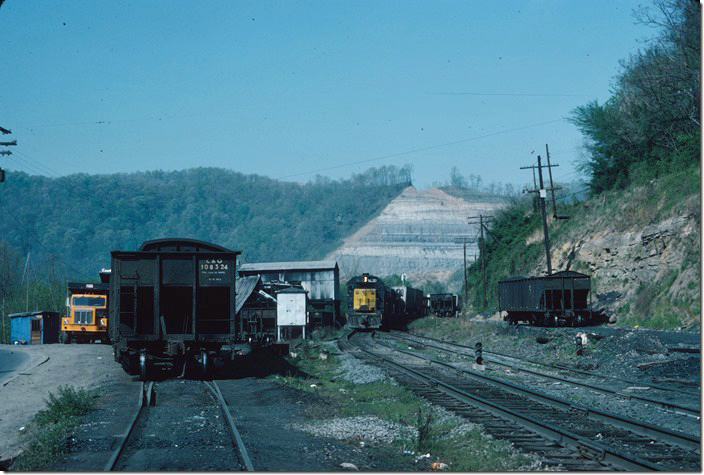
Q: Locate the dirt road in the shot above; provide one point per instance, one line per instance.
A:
(24, 392)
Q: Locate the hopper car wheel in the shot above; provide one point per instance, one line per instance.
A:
(205, 364)
(143, 365)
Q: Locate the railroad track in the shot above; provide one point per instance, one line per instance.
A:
(563, 433)
(146, 434)
(519, 364)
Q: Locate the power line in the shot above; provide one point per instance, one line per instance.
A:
(510, 94)
(39, 164)
(27, 166)
(421, 149)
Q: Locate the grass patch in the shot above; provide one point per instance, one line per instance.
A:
(445, 436)
(50, 429)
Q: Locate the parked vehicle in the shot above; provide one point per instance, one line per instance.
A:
(86, 319)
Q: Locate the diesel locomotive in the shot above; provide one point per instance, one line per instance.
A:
(372, 305)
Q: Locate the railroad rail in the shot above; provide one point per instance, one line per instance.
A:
(232, 428)
(564, 433)
(147, 398)
(678, 409)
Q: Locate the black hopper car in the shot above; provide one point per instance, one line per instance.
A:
(412, 302)
(559, 299)
(444, 305)
(172, 301)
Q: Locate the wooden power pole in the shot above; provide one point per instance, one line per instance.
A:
(464, 240)
(482, 249)
(542, 193)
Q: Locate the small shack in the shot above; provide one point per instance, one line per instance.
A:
(291, 310)
(35, 328)
(320, 278)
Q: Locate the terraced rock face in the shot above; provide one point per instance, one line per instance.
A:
(419, 232)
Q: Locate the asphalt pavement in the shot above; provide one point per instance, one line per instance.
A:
(11, 360)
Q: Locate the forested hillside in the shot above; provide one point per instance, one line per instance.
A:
(72, 223)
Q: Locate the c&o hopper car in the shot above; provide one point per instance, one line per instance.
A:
(171, 301)
(559, 299)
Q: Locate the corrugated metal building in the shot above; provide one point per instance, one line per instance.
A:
(320, 278)
(35, 328)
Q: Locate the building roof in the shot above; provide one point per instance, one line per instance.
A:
(244, 287)
(284, 266)
(33, 314)
(292, 290)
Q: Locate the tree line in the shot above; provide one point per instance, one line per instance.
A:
(651, 124)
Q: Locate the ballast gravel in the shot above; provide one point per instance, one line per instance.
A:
(363, 428)
(355, 371)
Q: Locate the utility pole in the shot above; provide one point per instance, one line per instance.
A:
(5, 131)
(482, 250)
(552, 187)
(464, 240)
(542, 193)
(24, 274)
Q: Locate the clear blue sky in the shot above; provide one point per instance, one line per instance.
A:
(288, 87)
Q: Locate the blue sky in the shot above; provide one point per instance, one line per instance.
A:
(290, 88)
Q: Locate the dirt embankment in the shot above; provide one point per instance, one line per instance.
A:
(644, 258)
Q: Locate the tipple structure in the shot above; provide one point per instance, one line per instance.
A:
(321, 279)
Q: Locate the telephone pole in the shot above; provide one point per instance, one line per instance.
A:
(552, 187)
(464, 240)
(482, 252)
(5, 131)
(542, 193)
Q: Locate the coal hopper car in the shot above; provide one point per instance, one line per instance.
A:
(444, 305)
(559, 299)
(172, 302)
(413, 304)
(371, 304)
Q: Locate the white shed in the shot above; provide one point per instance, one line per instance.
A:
(291, 310)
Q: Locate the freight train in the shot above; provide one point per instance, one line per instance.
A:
(559, 299)
(373, 305)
